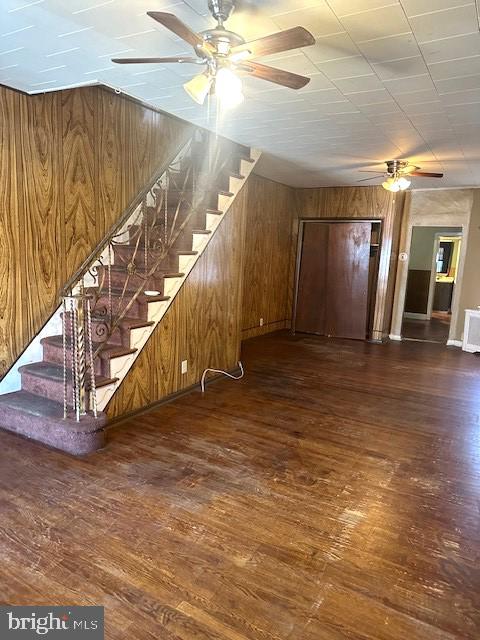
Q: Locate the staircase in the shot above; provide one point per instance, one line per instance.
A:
(112, 305)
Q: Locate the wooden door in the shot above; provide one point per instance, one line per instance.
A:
(347, 280)
(312, 280)
(332, 292)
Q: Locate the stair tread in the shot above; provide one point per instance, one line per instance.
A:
(246, 158)
(216, 212)
(32, 404)
(129, 322)
(55, 372)
(204, 231)
(237, 175)
(120, 268)
(142, 297)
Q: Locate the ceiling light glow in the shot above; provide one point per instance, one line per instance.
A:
(228, 88)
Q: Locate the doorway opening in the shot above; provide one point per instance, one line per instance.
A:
(336, 279)
(432, 275)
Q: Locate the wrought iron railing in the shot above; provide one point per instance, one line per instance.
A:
(124, 265)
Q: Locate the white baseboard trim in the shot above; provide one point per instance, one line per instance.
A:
(416, 316)
(392, 336)
(454, 343)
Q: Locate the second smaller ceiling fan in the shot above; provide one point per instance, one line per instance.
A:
(225, 55)
(398, 173)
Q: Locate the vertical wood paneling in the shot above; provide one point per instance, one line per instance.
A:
(268, 238)
(11, 258)
(42, 188)
(111, 152)
(78, 133)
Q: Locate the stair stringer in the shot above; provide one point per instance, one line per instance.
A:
(121, 365)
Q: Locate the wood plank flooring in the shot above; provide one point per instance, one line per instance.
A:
(332, 494)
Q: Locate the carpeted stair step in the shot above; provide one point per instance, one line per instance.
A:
(41, 419)
(45, 379)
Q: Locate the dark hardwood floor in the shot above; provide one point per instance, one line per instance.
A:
(333, 493)
(434, 330)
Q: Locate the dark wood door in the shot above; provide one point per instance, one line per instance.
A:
(332, 294)
(347, 279)
(312, 281)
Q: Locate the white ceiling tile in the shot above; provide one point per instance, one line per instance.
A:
(417, 7)
(347, 7)
(360, 83)
(461, 97)
(452, 48)
(398, 86)
(377, 23)
(464, 83)
(444, 24)
(401, 68)
(369, 97)
(392, 48)
(320, 19)
(416, 97)
(346, 68)
(455, 68)
(332, 47)
(343, 119)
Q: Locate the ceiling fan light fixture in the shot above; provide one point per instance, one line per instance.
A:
(228, 88)
(199, 87)
(403, 183)
(391, 184)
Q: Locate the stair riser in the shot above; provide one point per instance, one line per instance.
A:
(134, 281)
(126, 253)
(47, 388)
(136, 310)
(100, 333)
(54, 354)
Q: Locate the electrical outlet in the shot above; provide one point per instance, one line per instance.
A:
(184, 366)
(261, 322)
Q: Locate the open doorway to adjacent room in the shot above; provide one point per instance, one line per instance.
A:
(432, 277)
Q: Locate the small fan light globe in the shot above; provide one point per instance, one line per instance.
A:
(199, 87)
(403, 183)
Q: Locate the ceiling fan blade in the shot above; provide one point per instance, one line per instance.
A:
(371, 171)
(171, 22)
(157, 60)
(426, 174)
(276, 42)
(271, 74)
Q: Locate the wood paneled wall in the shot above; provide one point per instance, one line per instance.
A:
(268, 249)
(70, 162)
(202, 326)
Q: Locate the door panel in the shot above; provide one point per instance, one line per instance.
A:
(347, 281)
(312, 280)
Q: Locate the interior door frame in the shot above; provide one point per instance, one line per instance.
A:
(301, 227)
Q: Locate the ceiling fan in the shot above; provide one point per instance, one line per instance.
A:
(398, 173)
(224, 54)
